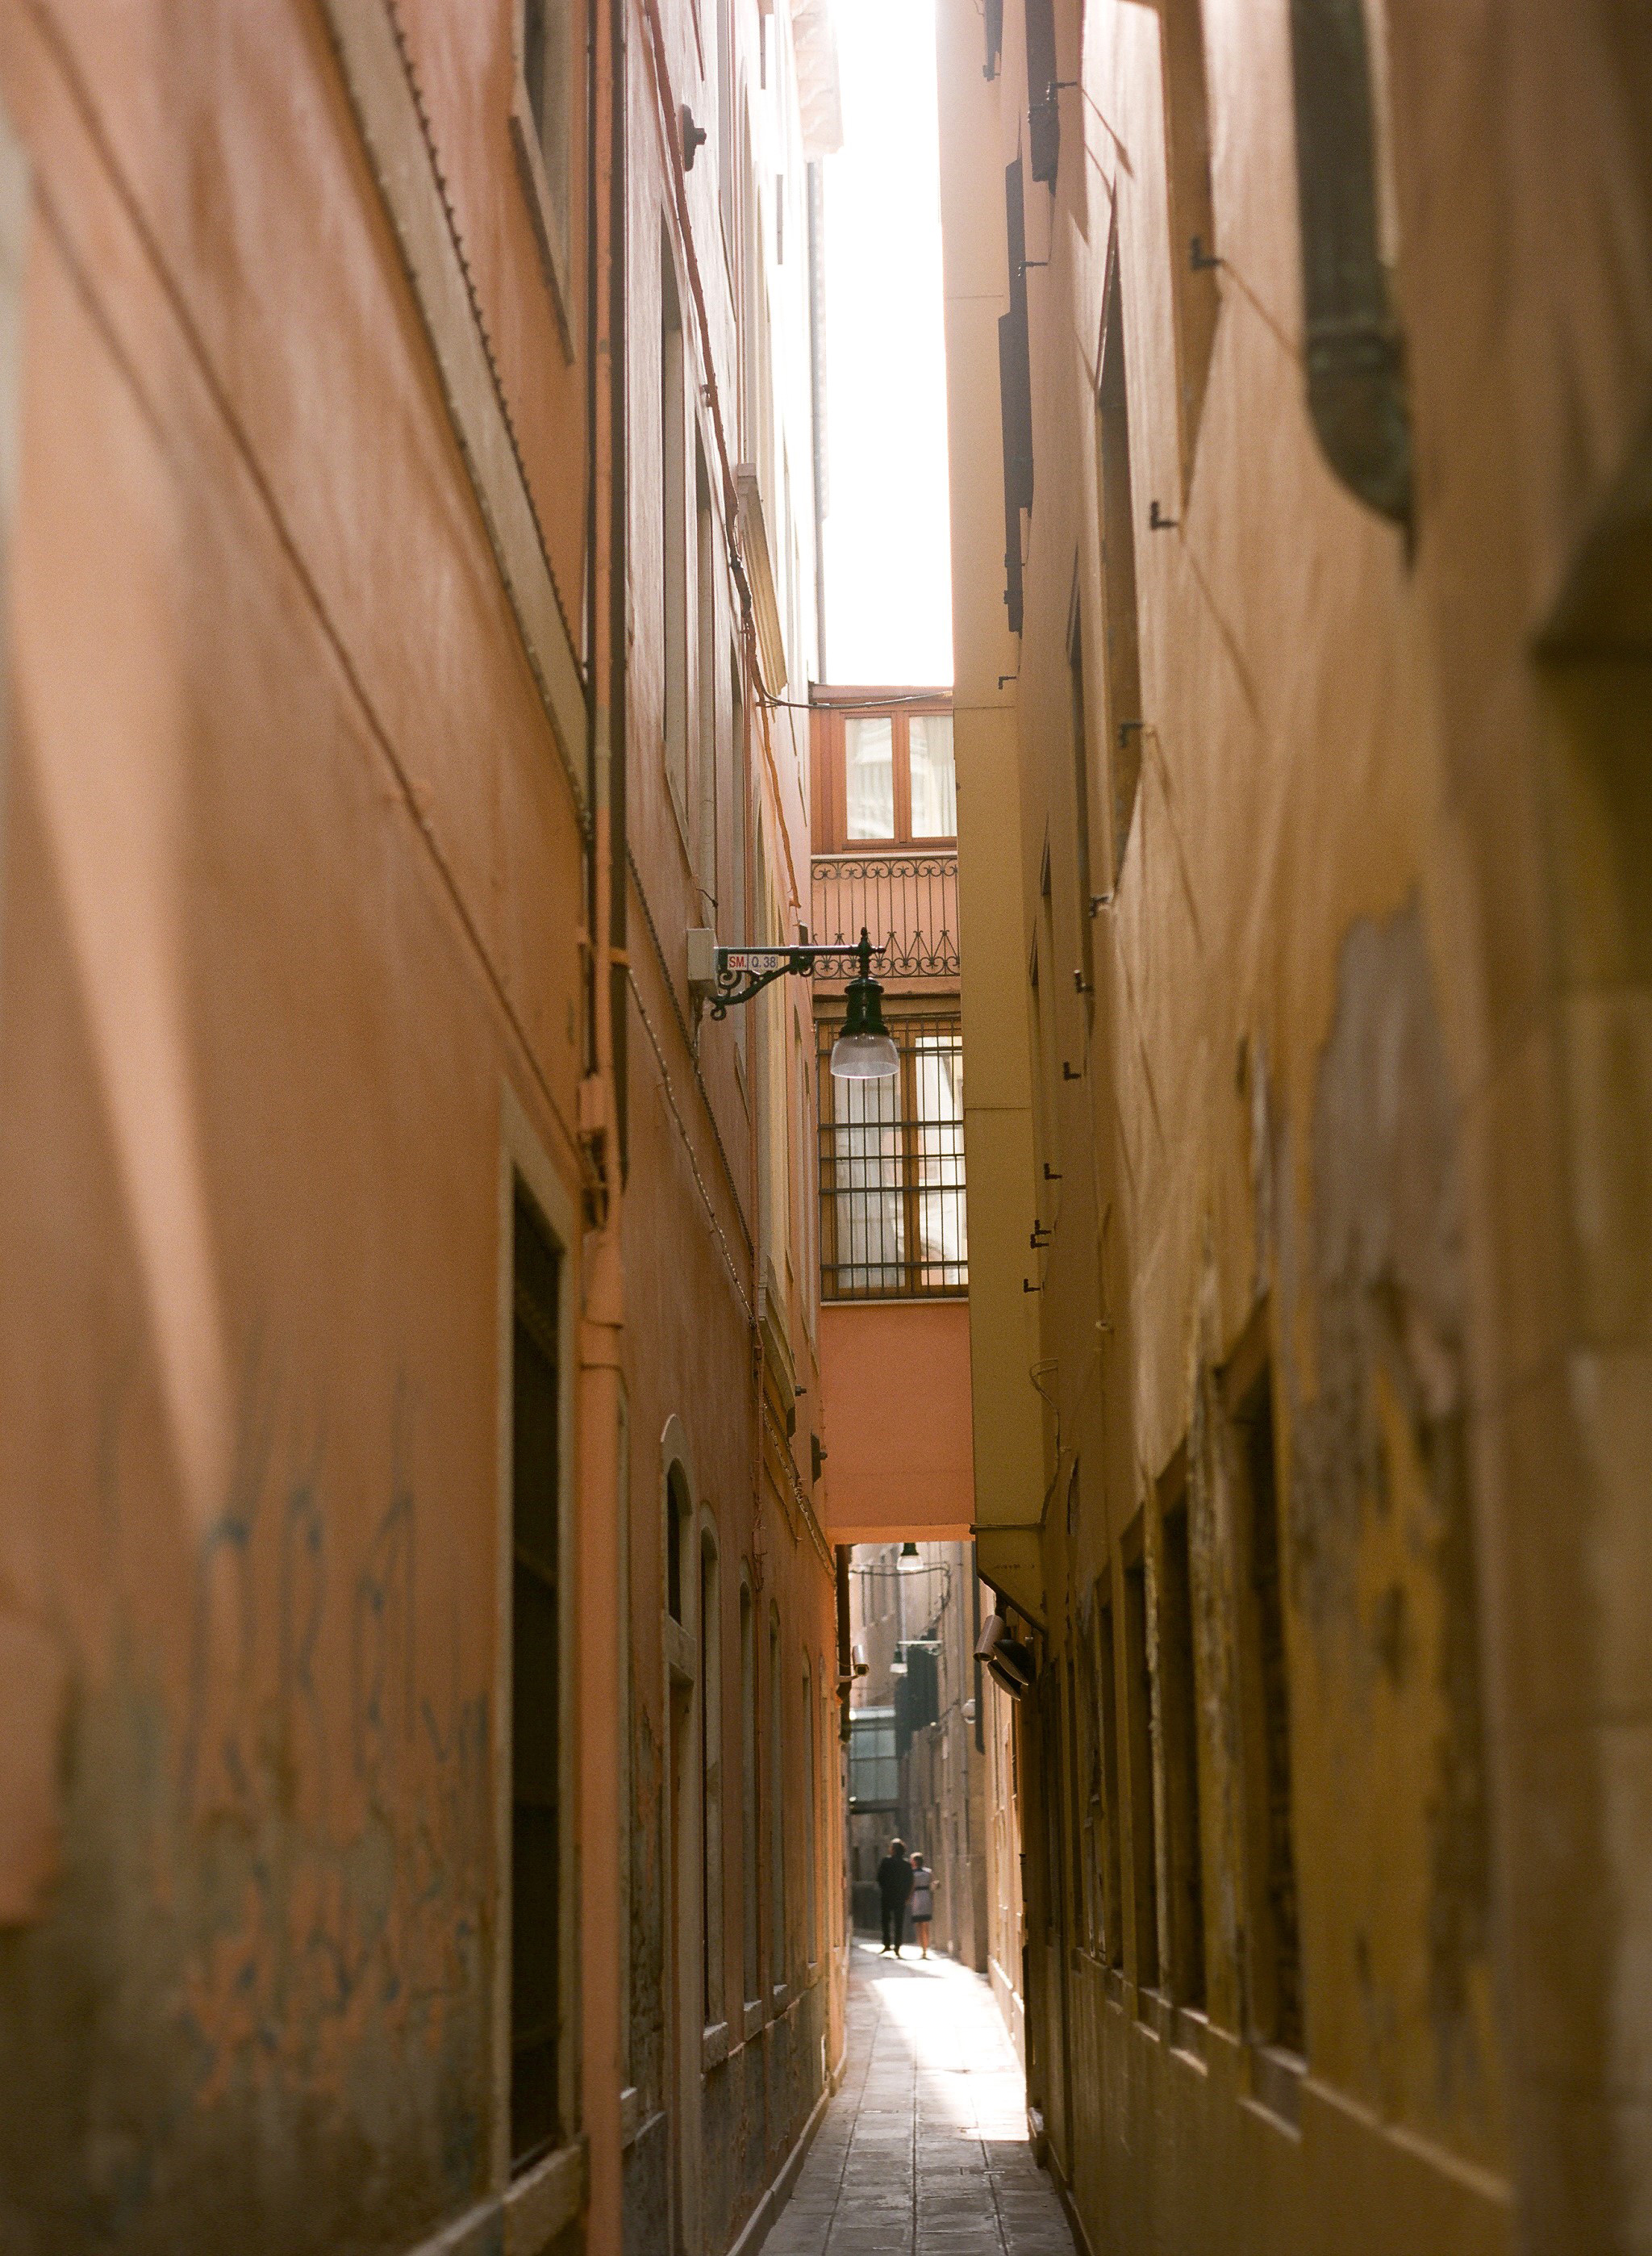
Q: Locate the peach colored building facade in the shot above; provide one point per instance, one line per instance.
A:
(411, 1598)
(893, 1246)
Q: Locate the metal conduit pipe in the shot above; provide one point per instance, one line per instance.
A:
(1352, 347)
(601, 1632)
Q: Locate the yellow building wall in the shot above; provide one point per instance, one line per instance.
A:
(997, 1094)
(1336, 1112)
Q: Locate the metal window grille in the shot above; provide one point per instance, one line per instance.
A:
(892, 1216)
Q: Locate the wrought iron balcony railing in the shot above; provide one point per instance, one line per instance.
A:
(907, 902)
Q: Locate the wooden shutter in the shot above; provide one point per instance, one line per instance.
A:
(1043, 114)
(1014, 388)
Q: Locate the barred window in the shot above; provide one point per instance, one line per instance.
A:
(892, 1223)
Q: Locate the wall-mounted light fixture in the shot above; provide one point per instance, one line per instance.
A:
(864, 1051)
(1010, 1663)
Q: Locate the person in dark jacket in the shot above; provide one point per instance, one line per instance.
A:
(894, 1885)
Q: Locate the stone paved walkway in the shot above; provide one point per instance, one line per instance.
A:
(924, 2152)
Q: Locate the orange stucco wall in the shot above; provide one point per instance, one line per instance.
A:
(895, 1384)
(293, 929)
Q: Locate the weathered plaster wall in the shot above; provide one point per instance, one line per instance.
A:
(291, 880)
(723, 1376)
(1357, 1090)
(294, 921)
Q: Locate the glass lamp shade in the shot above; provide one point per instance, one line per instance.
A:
(909, 1562)
(864, 1051)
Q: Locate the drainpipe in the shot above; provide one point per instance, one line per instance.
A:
(601, 1642)
(1356, 359)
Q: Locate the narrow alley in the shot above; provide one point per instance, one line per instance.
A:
(825, 1110)
(924, 2151)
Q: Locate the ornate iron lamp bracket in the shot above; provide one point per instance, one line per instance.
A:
(739, 973)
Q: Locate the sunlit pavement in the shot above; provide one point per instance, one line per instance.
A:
(924, 2152)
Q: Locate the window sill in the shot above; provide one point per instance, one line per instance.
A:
(890, 1300)
(543, 2201)
(780, 1997)
(1190, 2033)
(1275, 2085)
(682, 1660)
(630, 2114)
(713, 2045)
(878, 850)
(1154, 2013)
(753, 2015)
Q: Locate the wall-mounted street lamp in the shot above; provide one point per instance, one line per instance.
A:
(1009, 1662)
(910, 1562)
(864, 1051)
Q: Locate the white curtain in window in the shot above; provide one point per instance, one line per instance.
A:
(934, 776)
(869, 770)
(871, 1228)
(937, 1072)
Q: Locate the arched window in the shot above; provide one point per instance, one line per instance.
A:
(823, 1784)
(811, 1945)
(679, 1513)
(710, 1786)
(777, 1821)
(749, 1884)
(540, 2098)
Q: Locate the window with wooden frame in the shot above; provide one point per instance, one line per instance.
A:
(673, 409)
(1274, 1958)
(1092, 1809)
(711, 1779)
(1015, 391)
(1192, 211)
(751, 1962)
(1177, 1708)
(1121, 629)
(1043, 115)
(539, 2099)
(1083, 1922)
(1138, 1755)
(886, 779)
(892, 1218)
(546, 116)
(706, 790)
(776, 1811)
(810, 1878)
(1107, 1725)
(1049, 1709)
(1080, 728)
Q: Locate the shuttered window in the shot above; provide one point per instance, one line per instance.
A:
(1014, 388)
(1044, 117)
